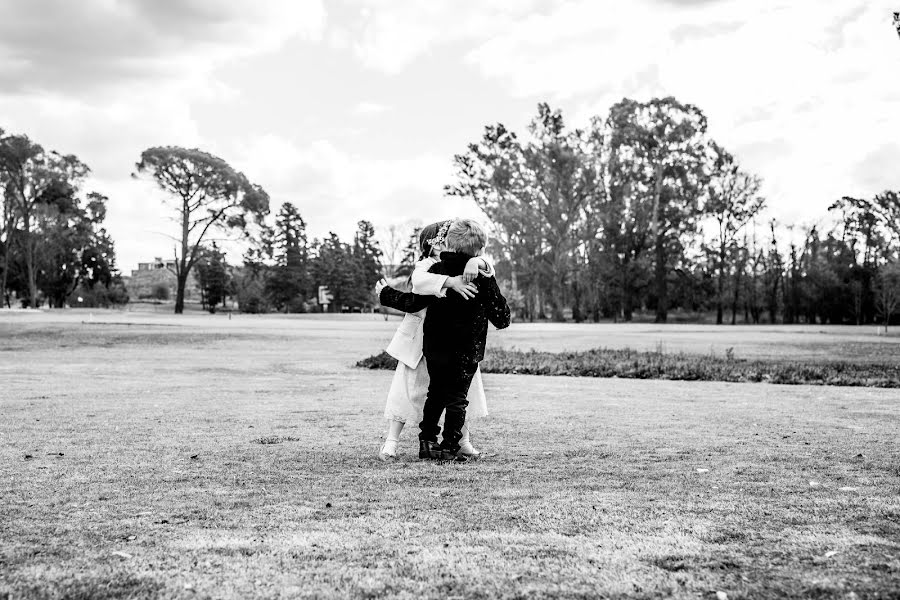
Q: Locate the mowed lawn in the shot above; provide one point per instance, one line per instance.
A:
(144, 455)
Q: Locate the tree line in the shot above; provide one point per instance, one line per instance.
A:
(283, 273)
(640, 212)
(643, 211)
(282, 269)
(54, 247)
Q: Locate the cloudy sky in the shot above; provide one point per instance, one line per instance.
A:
(353, 109)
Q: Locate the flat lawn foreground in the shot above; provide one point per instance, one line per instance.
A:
(158, 457)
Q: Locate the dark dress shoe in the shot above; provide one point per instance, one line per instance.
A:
(429, 450)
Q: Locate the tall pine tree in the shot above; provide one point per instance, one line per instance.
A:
(288, 285)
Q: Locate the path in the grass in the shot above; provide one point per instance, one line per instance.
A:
(207, 457)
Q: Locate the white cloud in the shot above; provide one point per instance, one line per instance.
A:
(333, 188)
(582, 46)
(60, 46)
(390, 34)
(369, 108)
(877, 169)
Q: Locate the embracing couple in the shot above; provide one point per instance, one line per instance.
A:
(441, 340)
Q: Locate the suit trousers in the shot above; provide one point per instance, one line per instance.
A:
(447, 390)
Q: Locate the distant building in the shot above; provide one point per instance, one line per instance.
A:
(158, 263)
(147, 280)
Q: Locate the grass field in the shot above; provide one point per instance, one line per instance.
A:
(144, 455)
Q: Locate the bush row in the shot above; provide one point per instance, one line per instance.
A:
(631, 364)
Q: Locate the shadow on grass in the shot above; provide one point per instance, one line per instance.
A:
(630, 364)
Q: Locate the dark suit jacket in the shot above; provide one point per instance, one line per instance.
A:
(404, 301)
(455, 328)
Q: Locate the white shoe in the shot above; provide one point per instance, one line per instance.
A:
(465, 445)
(389, 450)
(466, 448)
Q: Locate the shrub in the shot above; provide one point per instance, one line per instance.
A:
(160, 292)
(251, 297)
(99, 296)
(296, 305)
(379, 361)
(252, 304)
(631, 364)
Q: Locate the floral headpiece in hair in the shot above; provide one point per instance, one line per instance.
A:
(441, 234)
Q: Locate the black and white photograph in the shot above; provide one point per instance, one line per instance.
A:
(449, 299)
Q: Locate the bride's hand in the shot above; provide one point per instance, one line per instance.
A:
(380, 286)
(466, 290)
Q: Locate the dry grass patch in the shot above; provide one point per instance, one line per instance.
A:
(148, 480)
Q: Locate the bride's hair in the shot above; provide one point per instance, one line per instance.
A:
(428, 233)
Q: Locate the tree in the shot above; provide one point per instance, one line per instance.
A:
(732, 201)
(624, 236)
(861, 230)
(537, 195)
(7, 227)
(773, 275)
(664, 140)
(755, 282)
(564, 178)
(209, 195)
(740, 258)
(366, 255)
(392, 245)
(492, 173)
(288, 283)
(409, 255)
(886, 208)
(75, 249)
(883, 209)
(160, 292)
(333, 267)
(862, 233)
(29, 176)
(212, 276)
(888, 291)
(247, 283)
(349, 271)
